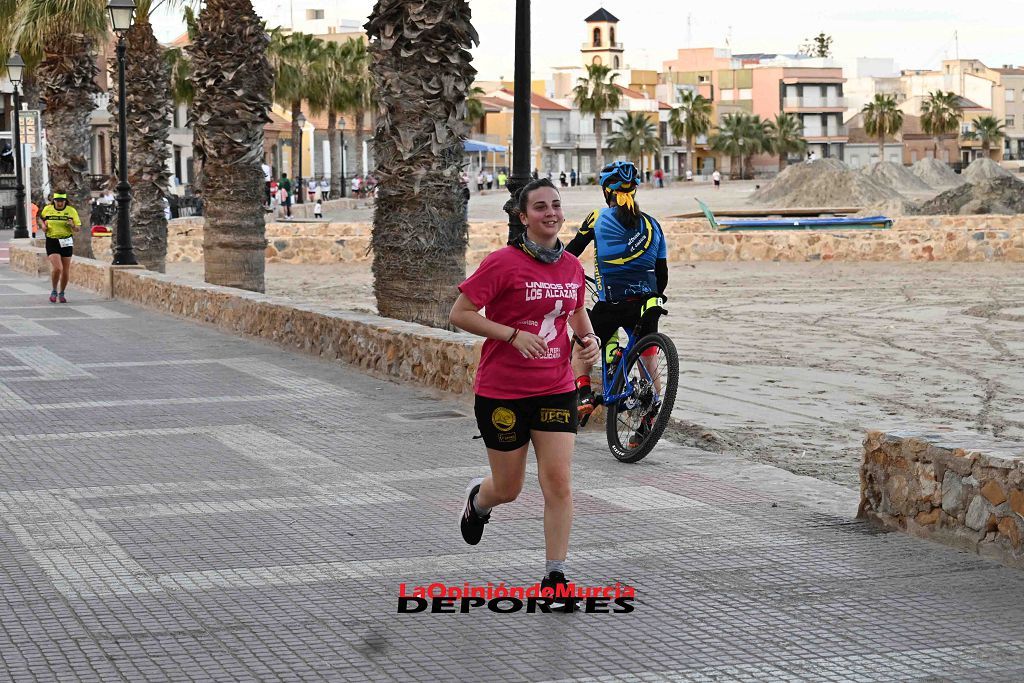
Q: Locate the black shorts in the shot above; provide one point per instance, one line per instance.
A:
(505, 423)
(53, 247)
(608, 317)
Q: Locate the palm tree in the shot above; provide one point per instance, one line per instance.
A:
(422, 72)
(475, 111)
(148, 107)
(690, 120)
(360, 86)
(597, 94)
(292, 58)
(940, 115)
(741, 136)
(988, 129)
(331, 93)
(58, 39)
(882, 118)
(233, 82)
(784, 136)
(635, 138)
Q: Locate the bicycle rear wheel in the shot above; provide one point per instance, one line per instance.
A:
(635, 423)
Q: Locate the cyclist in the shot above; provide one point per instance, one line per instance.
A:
(524, 384)
(60, 221)
(630, 267)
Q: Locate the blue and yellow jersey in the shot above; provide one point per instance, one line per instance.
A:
(624, 257)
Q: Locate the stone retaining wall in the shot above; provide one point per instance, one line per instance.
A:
(912, 238)
(383, 347)
(962, 489)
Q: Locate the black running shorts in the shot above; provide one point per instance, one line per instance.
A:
(505, 423)
(53, 247)
(607, 318)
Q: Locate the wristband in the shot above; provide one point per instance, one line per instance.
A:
(513, 337)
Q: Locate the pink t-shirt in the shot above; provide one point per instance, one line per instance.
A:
(521, 292)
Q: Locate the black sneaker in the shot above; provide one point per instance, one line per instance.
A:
(553, 581)
(472, 524)
(646, 423)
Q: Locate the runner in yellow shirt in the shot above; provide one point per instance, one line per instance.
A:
(60, 222)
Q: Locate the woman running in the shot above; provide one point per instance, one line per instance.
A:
(61, 222)
(524, 385)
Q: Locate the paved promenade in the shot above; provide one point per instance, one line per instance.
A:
(179, 504)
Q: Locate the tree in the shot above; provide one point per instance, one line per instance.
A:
(818, 46)
(784, 136)
(741, 136)
(882, 118)
(361, 90)
(332, 93)
(475, 111)
(292, 58)
(422, 71)
(233, 82)
(148, 105)
(690, 120)
(635, 138)
(988, 129)
(58, 39)
(596, 94)
(940, 115)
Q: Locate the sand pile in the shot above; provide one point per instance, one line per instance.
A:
(1003, 195)
(828, 182)
(984, 169)
(936, 173)
(896, 176)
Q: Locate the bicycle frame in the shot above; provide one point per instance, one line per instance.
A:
(620, 370)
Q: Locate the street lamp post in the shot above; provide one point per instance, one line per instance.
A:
(122, 14)
(301, 120)
(520, 120)
(15, 71)
(341, 132)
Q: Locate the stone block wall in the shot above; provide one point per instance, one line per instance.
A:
(382, 347)
(912, 238)
(958, 488)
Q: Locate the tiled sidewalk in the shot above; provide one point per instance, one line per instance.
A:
(178, 504)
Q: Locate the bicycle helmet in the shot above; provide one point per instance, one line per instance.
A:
(621, 179)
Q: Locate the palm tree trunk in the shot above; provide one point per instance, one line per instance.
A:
(296, 145)
(881, 146)
(229, 58)
(67, 83)
(600, 147)
(936, 151)
(360, 171)
(334, 140)
(419, 226)
(692, 154)
(782, 161)
(149, 119)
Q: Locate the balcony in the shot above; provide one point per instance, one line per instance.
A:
(819, 132)
(814, 103)
(602, 46)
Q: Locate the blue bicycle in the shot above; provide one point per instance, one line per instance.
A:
(639, 383)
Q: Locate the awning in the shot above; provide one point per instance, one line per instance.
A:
(478, 146)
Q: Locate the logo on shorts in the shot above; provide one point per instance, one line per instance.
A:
(558, 415)
(503, 419)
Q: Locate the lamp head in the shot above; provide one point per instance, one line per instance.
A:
(15, 68)
(122, 15)
(301, 120)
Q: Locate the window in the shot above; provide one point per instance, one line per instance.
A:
(597, 37)
(703, 79)
(611, 37)
(616, 62)
(1011, 121)
(1009, 95)
(314, 14)
(596, 60)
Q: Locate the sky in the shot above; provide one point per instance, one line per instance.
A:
(653, 30)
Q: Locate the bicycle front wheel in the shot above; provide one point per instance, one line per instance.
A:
(636, 422)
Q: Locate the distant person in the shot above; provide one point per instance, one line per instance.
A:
(689, 175)
(659, 178)
(480, 180)
(562, 179)
(268, 176)
(325, 188)
(286, 194)
(318, 209)
(356, 186)
(35, 219)
(535, 175)
(6, 158)
(717, 178)
(572, 178)
(61, 222)
(502, 178)
(489, 177)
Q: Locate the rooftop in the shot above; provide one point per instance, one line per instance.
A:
(602, 15)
